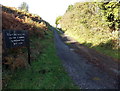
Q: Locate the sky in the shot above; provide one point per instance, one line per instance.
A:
(47, 9)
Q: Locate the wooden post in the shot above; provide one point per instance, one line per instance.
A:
(28, 47)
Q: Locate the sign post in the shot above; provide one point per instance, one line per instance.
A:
(17, 38)
(28, 47)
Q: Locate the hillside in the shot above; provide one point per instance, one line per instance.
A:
(14, 19)
(17, 73)
(95, 25)
(22, 20)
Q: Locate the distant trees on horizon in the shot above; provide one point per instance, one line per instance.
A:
(24, 7)
(58, 20)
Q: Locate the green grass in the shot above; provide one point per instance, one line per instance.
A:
(105, 49)
(46, 72)
(109, 52)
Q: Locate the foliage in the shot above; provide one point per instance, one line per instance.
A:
(18, 20)
(70, 7)
(58, 20)
(110, 13)
(85, 23)
(24, 7)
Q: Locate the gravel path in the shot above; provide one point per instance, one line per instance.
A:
(84, 74)
(0, 60)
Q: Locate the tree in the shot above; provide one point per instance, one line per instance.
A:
(110, 13)
(24, 7)
(58, 20)
(70, 7)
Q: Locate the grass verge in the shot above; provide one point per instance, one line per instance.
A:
(46, 72)
(107, 51)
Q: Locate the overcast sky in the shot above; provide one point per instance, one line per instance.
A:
(47, 9)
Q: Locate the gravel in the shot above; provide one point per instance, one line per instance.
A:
(84, 74)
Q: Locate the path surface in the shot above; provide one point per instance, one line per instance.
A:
(0, 60)
(84, 74)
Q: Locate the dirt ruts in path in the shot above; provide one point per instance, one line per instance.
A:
(84, 74)
(104, 62)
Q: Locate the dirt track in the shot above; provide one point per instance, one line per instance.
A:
(104, 62)
(0, 60)
(84, 73)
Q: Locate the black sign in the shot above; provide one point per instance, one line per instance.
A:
(15, 38)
